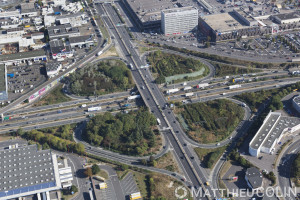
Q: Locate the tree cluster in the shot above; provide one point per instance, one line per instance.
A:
(49, 140)
(235, 156)
(130, 133)
(271, 176)
(101, 78)
(219, 116)
(223, 70)
(170, 64)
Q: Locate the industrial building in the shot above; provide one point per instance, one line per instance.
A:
(28, 10)
(147, 14)
(254, 178)
(75, 20)
(53, 68)
(274, 127)
(62, 31)
(287, 18)
(59, 50)
(296, 103)
(3, 83)
(225, 26)
(177, 21)
(26, 171)
(11, 35)
(23, 57)
(80, 41)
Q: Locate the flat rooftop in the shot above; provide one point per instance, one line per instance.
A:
(286, 16)
(283, 123)
(25, 169)
(2, 78)
(254, 177)
(273, 127)
(264, 130)
(22, 55)
(180, 9)
(148, 11)
(223, 22)
(297, 100)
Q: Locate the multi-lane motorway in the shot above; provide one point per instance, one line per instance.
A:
(155, 100)
(176, 139)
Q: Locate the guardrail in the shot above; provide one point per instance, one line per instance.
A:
(172, 131)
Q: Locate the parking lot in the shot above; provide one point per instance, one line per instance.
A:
(105, 194)
(23, 77)
(129, 185)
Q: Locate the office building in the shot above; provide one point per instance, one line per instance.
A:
(178, 21)
(274, 127)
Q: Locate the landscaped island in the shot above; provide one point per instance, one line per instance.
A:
(134, 133)
(101, 78)
(211, 121)
(170, 67)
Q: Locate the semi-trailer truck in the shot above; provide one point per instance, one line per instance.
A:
(94, 109)
(172, 91)
(189, 94)
(134, 97)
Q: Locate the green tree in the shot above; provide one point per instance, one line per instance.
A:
(95, 169)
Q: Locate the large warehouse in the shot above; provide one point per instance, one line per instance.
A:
(26, 170)
(179, 20)
(227, 26)
(287, 18)
(296, 103)
(273, 128)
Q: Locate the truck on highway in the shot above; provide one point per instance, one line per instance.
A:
(172, 91)
(202, 85)
(158, 121)
(133, 97)
(136, 195)
(99, 53)
(187, 88)
(91, 109)
(189, 94)
(234, 87)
